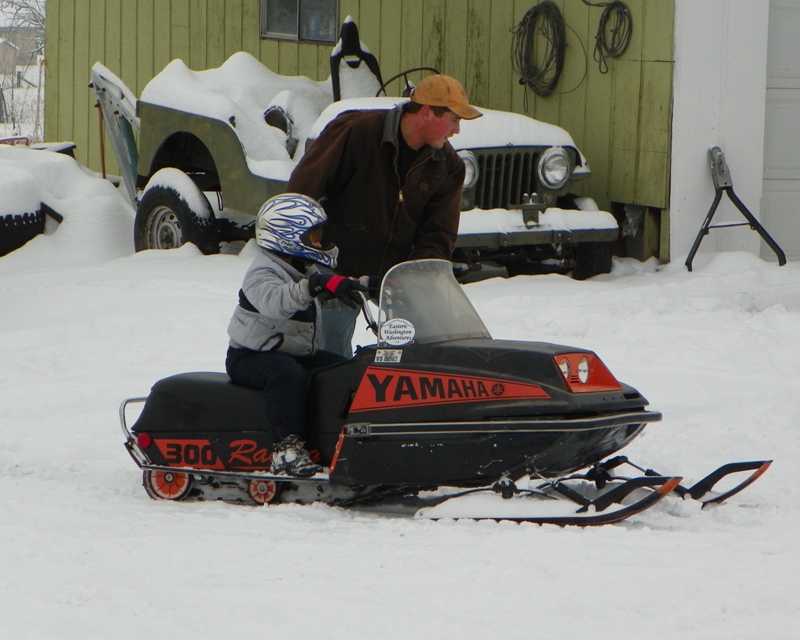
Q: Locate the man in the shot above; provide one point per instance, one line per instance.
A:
(390, 183)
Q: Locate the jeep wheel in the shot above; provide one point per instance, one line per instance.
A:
(164, 220)
(591, 259)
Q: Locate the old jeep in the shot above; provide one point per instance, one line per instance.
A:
(213, 145)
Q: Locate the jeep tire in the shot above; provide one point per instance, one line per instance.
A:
(164, 220)
(592, 258)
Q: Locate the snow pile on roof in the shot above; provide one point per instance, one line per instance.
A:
(499, 128)
(239, 92)
(494, 129)
(242, 89)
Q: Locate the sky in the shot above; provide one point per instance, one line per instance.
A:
(87, 323)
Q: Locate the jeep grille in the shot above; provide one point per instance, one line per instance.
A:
(504, 176)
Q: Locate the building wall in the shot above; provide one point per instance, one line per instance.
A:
(781, 186)
(719, 100)
(8, 58)
(28, 41)
(621, 120)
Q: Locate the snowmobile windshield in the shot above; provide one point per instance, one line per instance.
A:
(422, 302)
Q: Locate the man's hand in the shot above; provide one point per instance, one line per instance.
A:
(344, 289)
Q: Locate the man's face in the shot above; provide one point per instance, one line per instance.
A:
(438, 129)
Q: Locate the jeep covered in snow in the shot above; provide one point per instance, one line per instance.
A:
(200, 151)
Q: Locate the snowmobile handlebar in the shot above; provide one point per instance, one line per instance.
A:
(371, 323)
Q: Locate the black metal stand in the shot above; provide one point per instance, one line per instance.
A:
(724, 184)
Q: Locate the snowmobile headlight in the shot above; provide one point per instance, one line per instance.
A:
(471, 166)
(583, 370)
(554, 168)
(586, 373)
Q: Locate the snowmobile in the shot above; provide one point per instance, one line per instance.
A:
(437, 419)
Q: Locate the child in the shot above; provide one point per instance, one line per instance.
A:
(274, 332)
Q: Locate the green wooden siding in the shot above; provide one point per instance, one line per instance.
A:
(621, 120)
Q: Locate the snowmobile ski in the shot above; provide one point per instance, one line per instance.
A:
(540, 506)
(704, 490)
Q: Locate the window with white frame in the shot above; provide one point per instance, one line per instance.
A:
(300, 20)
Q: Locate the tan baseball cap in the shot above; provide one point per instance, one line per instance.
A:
(443, 91)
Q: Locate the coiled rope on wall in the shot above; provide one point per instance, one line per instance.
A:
(615, 22)
(538, 48)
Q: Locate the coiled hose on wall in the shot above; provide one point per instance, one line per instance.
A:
(539, 65)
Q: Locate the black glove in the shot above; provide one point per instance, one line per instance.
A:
(345, 289)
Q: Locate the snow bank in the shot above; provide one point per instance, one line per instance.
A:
(98, 221)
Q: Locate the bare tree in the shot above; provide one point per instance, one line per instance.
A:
(23, 13)
(22, 97)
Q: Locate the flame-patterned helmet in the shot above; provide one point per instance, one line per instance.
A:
(284, 223)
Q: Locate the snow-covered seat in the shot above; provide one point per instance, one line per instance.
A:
(355, 72)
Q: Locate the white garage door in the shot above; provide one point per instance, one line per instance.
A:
(780, 206)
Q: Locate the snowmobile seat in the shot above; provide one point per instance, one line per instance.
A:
(200, 402)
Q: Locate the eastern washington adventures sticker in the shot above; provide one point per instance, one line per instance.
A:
(397, 332)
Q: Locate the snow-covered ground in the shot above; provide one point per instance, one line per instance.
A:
(84, 553)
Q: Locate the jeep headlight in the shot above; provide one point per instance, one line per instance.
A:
(555, 168)
(472, 171)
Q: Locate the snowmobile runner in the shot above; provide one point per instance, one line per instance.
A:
(437, 419)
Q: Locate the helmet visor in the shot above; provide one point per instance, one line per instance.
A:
(312, 238)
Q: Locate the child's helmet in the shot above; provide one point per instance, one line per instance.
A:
(284, 223)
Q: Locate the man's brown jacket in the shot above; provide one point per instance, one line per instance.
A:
(376, 217)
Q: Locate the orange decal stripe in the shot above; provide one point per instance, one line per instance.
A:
(389, 388)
